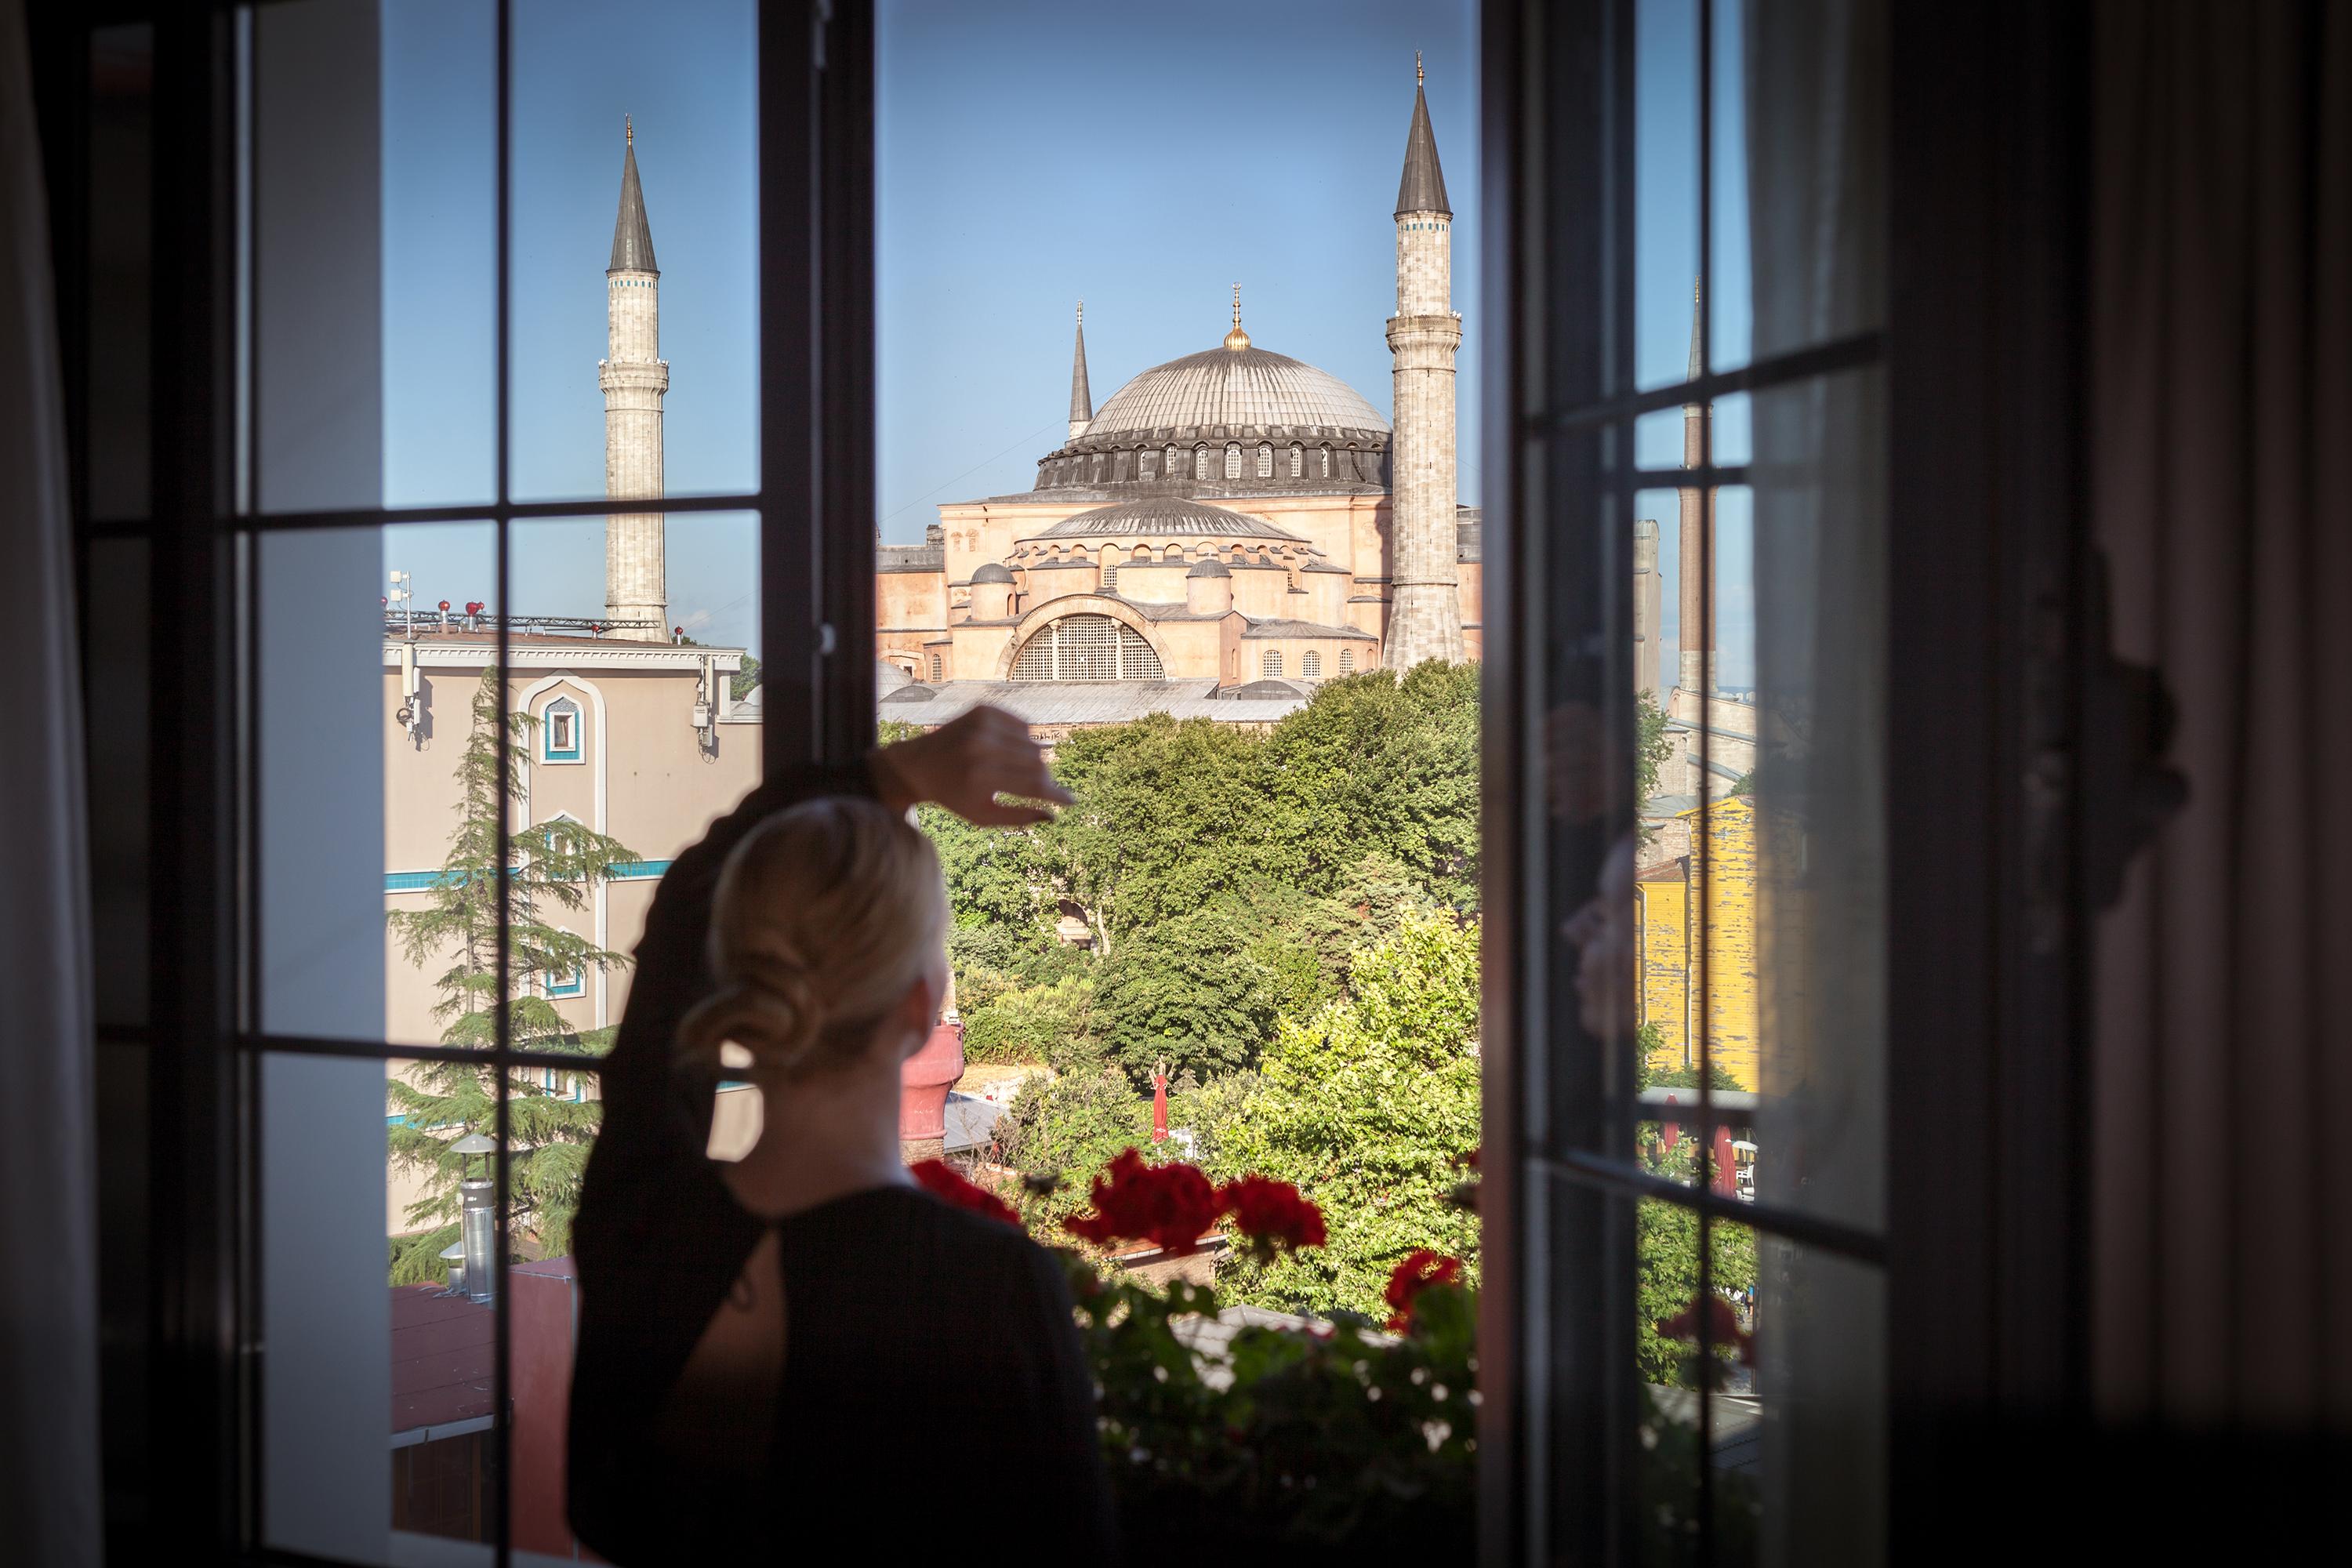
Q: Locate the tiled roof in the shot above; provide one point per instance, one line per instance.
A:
(1274, 626)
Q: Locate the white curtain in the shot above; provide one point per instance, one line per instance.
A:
(49, 1494)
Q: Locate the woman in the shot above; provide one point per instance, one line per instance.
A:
(765, 1345)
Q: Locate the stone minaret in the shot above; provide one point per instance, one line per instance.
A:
(1648, 600)
(1082, 405)
(1425, 605)
(1698, 612)
(634, 376)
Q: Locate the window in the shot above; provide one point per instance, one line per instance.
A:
(1310, 665)
(1269, 663)
(1233, 461)
(1200, 462)
(560, 732)
(1266, 462)
(1086, 648)
(1297, 461)
(1172, 467)
(935, 669)
(1110, 579)
(1144, 465)
(1323, 470)
(571, 982)
(1347, 660)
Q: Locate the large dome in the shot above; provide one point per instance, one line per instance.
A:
(1236, 388)
(1164, 517)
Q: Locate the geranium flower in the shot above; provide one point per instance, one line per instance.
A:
(1416, 1272)
(942, 1181)
(1723, 1327)
(1271, 1212)
(1169, 1205)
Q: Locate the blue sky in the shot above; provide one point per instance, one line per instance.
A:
(1032, 152)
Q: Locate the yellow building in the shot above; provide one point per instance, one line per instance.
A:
(1709, 905)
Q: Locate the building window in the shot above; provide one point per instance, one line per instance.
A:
(1170, 467)
(1326, 472)
(1096, 473)
(1233, 461)
(935, 669)
(1297, 461)
(1086, 648)
(1266, 462)
(561, 985)
(1310, 665)
(560, 738)
(1347, 660)
(1200, 462)
(1110, 580)
(1143, 465)
(1269, 663)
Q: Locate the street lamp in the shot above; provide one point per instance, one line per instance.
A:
(476, 1224)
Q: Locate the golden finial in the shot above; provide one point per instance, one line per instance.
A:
(628, 133)
(1237, 338)
(1417, 77)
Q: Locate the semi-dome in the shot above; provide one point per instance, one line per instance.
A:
(991, 572)
(1237, 388)
(1208, 569)
(1161, 517)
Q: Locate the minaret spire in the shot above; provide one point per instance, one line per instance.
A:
(1694, 563)
(634, 378)
(1082, 407)
(1425, 588)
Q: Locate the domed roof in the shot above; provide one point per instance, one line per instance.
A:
(991, 572)
(1266, 691)
(1163, 515)
(1243, 386)
(1208, 569)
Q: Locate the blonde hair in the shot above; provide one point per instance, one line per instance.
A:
(826, 916)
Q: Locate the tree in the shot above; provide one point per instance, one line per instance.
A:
(1191, 991)
(1368, 1108)
(1651, 747)
(1051, 1023)
(552, 866)
(1666, 1266)
(991, 872)
(739, 684)
(1072, 1125)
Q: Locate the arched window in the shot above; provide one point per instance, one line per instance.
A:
(935, 666)
(561, 735)
(1310, 665)
(1326, 465)
(1264, 461)
(1233, 459)
(1097, 477)
(1347, 660)
(1297, 461)
(1269, 663)
(1086, 648)
(1170, 467)
(1119, 466)
(1200, 462)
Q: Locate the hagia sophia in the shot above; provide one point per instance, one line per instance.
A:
(1223, 532)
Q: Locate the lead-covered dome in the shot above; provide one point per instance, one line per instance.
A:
(1165, 517)
(1239, 389)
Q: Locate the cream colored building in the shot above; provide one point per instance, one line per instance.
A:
(1234, 526)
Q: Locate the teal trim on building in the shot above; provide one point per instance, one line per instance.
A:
(426, 882)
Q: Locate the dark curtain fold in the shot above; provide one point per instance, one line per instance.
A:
(2221, 403)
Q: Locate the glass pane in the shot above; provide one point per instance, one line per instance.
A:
(634, 734)
(120, 280)
(362, 719)
(440, 252)
(1666, 190)
(1729, 327)
(634, 374)
(1694, 1368)
(1813, 1461)
(331, 1391)
(1815, 806)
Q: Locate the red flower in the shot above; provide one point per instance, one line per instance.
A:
(1169, 1205)
(1723, 1327)
(1417, 1272)
(1272, 1212)
(935, 1177)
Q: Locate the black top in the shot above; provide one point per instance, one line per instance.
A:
(931, 1357)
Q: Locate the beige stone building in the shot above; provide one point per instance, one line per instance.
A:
(1225, 532)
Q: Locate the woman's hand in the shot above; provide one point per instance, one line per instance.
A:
(964, 765)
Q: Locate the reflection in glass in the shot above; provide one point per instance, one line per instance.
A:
(1818, 1451)
(1672, 1508)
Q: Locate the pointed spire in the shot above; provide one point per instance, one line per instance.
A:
(1237, 338)
(633, 238)
(1082, 406)
(1422, 189)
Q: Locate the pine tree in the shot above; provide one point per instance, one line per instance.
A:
(553, 865)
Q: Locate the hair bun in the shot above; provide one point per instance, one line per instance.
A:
(776, 1015)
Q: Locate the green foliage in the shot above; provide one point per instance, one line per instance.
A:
(1075, 1123)
(1666, 1270)
(1367, 1108)
(1208, 1111)
(739, 684)
(1051, 1023)
(991, 873)
(1651, 747)
(1194, 991)
(552, 866)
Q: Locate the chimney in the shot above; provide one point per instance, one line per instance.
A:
(478, 1228)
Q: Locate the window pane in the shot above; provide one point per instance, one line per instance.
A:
(1672, 1438)
(1816, 1459)
(1665, 189)
(636, 253)
(121, 252)
(637, 725)
(116, 645)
